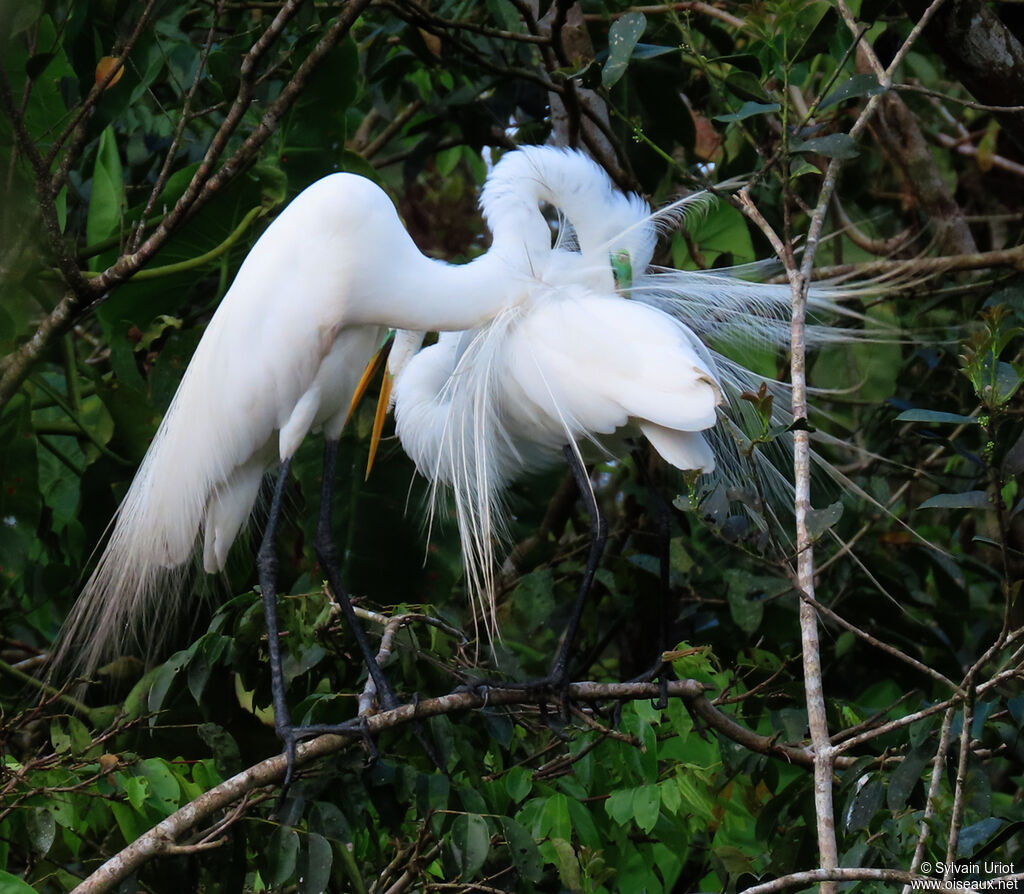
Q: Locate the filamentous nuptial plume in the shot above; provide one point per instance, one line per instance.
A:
(603, 346)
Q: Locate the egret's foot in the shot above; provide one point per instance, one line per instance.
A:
(360, 726)
(556, 684)
(290, 736)
(663, 672)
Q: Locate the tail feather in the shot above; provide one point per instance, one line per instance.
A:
(188, 476)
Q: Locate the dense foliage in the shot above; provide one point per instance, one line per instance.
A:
(145, 146)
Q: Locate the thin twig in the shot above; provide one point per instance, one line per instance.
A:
(938, 763)
(956, 818)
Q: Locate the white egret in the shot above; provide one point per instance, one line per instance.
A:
(578, 360)
(279, 359)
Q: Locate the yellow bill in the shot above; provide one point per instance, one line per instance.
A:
(383, 405)
(369, 374)
(376, 362)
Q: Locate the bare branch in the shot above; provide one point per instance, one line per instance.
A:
(802, 879)
(162, 838)
(938, 764)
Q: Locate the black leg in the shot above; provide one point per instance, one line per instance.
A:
(266, 564)
(598, 537)
(663, 529)
(558, 679)
(327, 553)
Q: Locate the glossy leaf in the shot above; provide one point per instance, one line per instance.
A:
(971, 499)
(107, 198)
(857, 86)
(622, 38)
(470, 843)
(522, 848)
(315, 863)
(836, 145)
(748, 110)
(936, 416)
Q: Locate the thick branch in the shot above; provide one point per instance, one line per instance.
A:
(982, 53)
(161, 839)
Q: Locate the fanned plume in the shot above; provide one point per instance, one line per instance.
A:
(465, 419)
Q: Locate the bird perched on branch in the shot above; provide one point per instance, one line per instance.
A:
(280, 359)
(283, 353)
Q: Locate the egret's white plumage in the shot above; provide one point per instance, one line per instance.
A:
(577, 360)
(282, 355)
(280, 359)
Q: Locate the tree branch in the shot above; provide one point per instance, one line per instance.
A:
(162, 838)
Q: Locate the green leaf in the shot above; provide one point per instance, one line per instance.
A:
(282, 853)
(107, 198)
(315, 865)
(583, 825)
(749, 109)
(11, 884)
(225, 750)
(836, 145)
(695, 796)
(328, 820)
(865, 804)
(906, 776)
(820, 520)
(747, 86)
(721, 231)
(802, 168)
(448, 160)
(523, 849)
(164, 677)
(670, 796)
(81, 739)
(1008, 380)
(976, 834)
(136, 788)
(568, 864)
(745, 611)
(22, 16)
(506, 15)
(858, 85)
(59, 738)
(518, 783)
(619, 805)
(130, 822)
(554, 818)
(651, 51)
(970, 499)
(935, 416)
(210, 647)
(42, 829)
(646, 806)
(622, 38)
(741, 61)
(809, 31)
(470, 842)
(164, 788)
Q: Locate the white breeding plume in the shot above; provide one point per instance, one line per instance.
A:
(589, 356)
